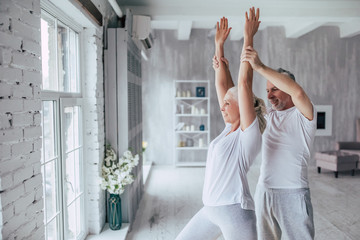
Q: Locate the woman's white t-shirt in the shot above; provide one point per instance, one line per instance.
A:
(228, 161)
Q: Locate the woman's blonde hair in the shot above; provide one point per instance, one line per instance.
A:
(260, 110)
(259, 106)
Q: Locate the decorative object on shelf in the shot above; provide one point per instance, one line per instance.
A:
(188, 94)
(179, 126)
(189, 142)
(202, 111)
(192, 128)
(116, 174)
(201, 142)
(202, 127)
(181, 144)
(200, 91)
(195, 110)
(182, 109)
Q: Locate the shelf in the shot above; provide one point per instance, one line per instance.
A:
(191, 115)
(191, 148)
(191, 110)
(191, 98)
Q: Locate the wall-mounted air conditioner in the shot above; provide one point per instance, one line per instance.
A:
(141, 30)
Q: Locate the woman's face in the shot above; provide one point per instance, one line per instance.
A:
(230, 109)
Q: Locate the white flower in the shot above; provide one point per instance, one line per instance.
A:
(116, 173)
(105, 170)
(127, 154)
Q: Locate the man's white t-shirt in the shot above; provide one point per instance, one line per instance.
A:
(286, 149)
(228, 161)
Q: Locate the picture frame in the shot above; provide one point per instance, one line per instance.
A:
(200, 91)
(324, 120)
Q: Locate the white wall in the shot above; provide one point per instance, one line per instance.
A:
(94, 128)
(20, 130)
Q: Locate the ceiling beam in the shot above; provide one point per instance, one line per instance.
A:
(164, 24)
(296, 30)
(350, 29)
(184, 30)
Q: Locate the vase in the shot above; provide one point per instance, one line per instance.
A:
(114, 212)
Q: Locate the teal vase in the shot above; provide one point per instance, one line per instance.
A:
(114, 212)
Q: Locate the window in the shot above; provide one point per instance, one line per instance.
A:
(59, 46)
(62, 152)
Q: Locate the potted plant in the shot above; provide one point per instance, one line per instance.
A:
(116, 174)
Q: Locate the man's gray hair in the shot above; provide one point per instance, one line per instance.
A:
(281, 70)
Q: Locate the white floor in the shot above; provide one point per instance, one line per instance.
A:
(173, 195)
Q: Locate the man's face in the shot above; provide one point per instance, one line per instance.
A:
(279, 100)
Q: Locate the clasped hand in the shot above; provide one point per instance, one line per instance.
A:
(250, 55)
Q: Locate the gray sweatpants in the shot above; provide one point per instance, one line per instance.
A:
(232, 221)
(284, 214)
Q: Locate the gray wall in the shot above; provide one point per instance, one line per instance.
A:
(324, 65)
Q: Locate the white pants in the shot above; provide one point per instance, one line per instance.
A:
(284, 214)
(232, 221)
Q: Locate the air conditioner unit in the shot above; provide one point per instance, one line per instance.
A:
(141, 30)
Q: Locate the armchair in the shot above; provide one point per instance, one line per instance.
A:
(350, 148)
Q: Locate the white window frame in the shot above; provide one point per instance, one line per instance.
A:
(54, 14)
(64, 99)
(72, 102)
(58, 162)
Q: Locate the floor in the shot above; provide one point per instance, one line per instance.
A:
(173, 195)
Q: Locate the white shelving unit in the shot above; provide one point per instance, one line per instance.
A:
(191, 122)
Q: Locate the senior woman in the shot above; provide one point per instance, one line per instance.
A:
(228, 205)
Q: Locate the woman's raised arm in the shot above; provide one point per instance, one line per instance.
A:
(245, 78)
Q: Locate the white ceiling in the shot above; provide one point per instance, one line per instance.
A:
(297, 17)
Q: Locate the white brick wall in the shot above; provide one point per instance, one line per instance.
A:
(94, 138)
(21, 198)
(21, 205)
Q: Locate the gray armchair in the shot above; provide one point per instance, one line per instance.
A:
(349, 147)
(346, 156)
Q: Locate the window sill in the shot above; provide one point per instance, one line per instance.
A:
(108, 234)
